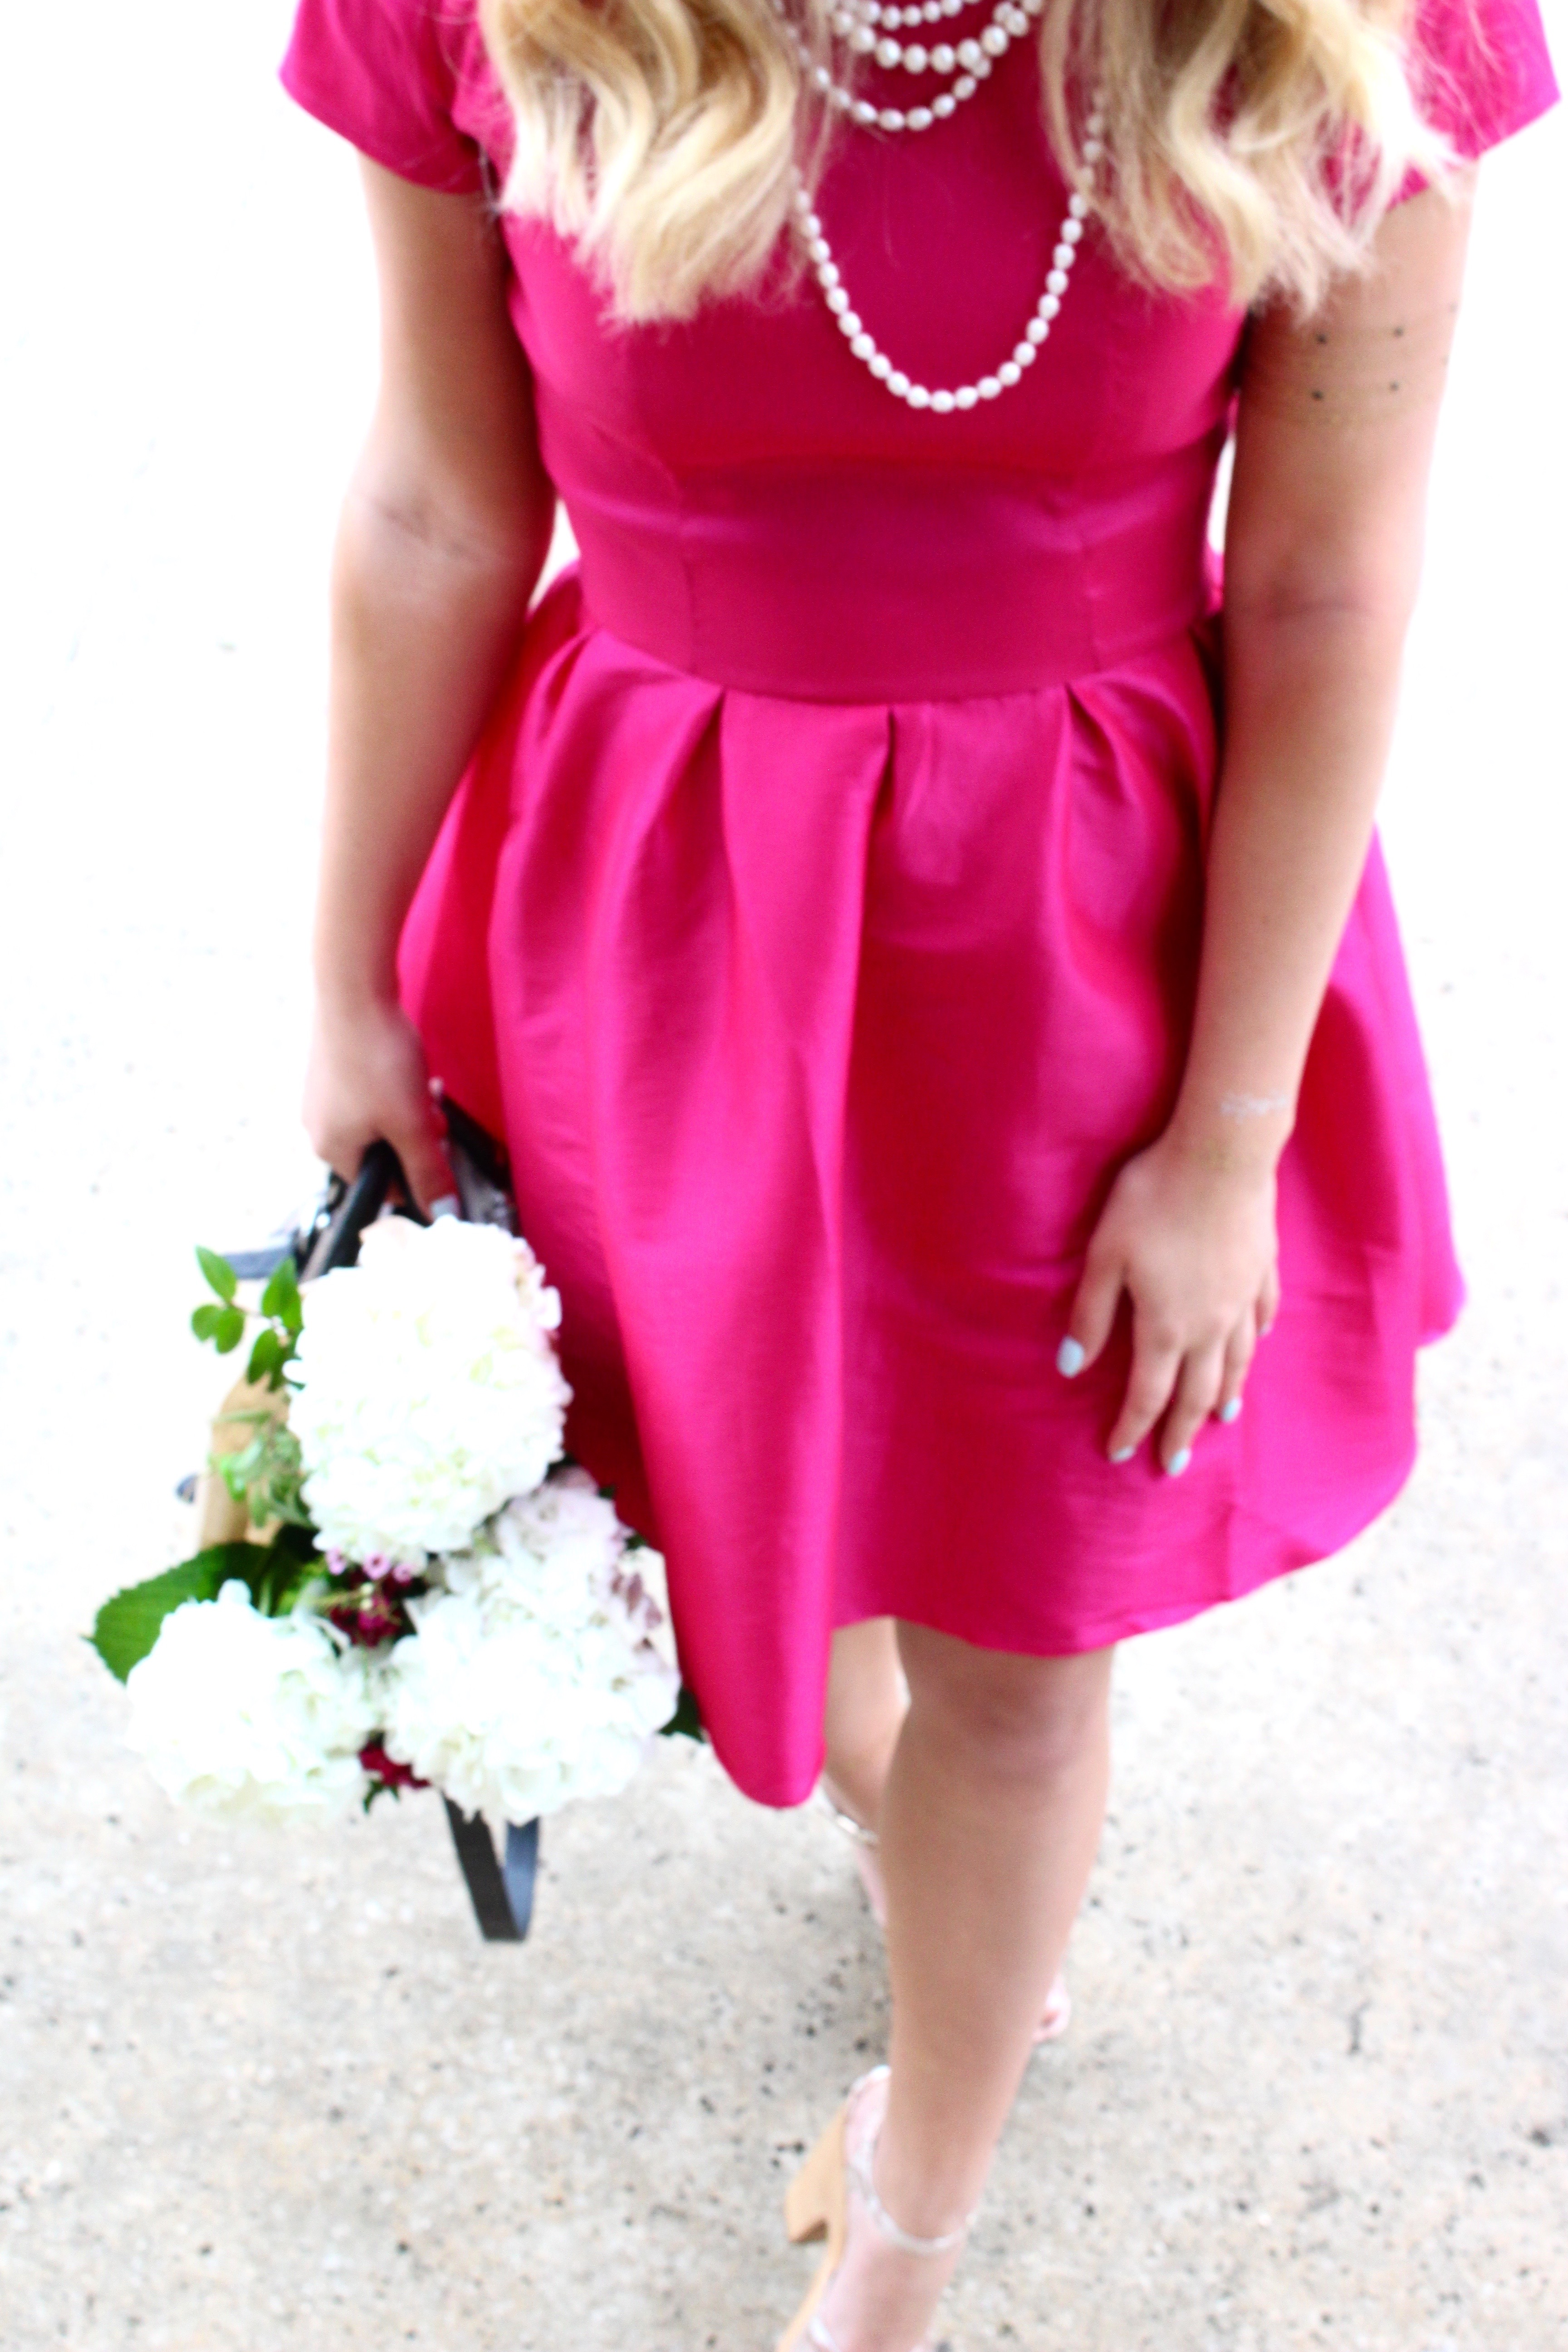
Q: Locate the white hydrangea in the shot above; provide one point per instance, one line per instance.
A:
(428, 1387)
(239, 1715)
(532, 1678)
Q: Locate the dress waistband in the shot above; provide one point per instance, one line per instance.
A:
(874, 586)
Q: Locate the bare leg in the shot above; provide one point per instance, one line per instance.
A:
(989, 1827)
(864, 1716)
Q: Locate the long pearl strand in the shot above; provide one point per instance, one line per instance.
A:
(863, 345)
(964, 66)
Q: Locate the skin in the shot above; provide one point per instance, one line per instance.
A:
(989, 1789)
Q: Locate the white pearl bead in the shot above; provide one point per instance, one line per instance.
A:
(914, 58)
(1078, 208)
(964, 87)
(1034, 8)
(1095, 126)
(1072, 230)
(943, 57)
(969, 54)
(889, 53)
(982, 67)
(1014, 21)
(918, 396)
(837, 300)
(891, 118)
(1063, 256)
(1024, 354)
(1093, 149)
(1008, 373)
(863, 347)
(944, 105)
(881, 366)
(1049, 305)
(1057, 280)
(993, 41)
(1038, 329)
(931, 12)
(965, 396)
(943, 403)
(921, 118)
(898, 382)
(914, 16)
(863, 111)
(822, 78)
(952, 7)
(989, 386)
(863, 40)
(843, 101)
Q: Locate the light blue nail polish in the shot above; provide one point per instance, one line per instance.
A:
(1229, 1411)
(1126, 1454)
(1069, 1360)
(448, 1205)
(1178, 1462)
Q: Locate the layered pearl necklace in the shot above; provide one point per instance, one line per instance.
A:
(868, 27)
(963, 66)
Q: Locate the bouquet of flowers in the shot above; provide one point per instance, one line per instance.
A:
(427, 1594)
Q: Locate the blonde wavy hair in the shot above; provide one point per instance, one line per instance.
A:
(1257, 140)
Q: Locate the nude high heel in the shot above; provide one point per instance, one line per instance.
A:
(816, 2205)
(1056, 2015)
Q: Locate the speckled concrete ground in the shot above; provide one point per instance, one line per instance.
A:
(256, 2094)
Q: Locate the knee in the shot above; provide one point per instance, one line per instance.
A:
(1021, 1719)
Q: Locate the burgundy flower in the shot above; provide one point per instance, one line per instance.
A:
(387, 1769)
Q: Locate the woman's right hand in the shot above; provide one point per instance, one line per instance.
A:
(366, 1080)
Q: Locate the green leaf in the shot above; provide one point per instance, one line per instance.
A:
(266, 1360)
(230, 1331)
(219, 1274)
(265, 1475)
(281, 1298)
(204, 1320)
(287, 1574)
(127, 1625)
(686, 1723)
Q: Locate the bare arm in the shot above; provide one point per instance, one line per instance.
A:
(1323, 548)
(444, 532)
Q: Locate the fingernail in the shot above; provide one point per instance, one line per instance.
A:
(1178, 1462)
(448, 1205)
(1125, 1453)
(1069, 1360)
(1230, 1409)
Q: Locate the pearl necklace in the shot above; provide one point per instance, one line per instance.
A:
(965, 66)
(873, 12)
(1024, 352)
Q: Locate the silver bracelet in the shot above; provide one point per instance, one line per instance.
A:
(1251, 1106)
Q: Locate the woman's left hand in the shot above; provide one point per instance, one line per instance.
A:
(1194, 1246)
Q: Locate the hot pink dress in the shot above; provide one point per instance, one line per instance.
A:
(819, 920)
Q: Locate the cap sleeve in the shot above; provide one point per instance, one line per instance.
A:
(383, 74)
(1480, 69)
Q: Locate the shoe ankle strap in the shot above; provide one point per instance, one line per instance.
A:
(850, 1824)
(859, 2167)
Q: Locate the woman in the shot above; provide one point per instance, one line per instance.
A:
(929, 965)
